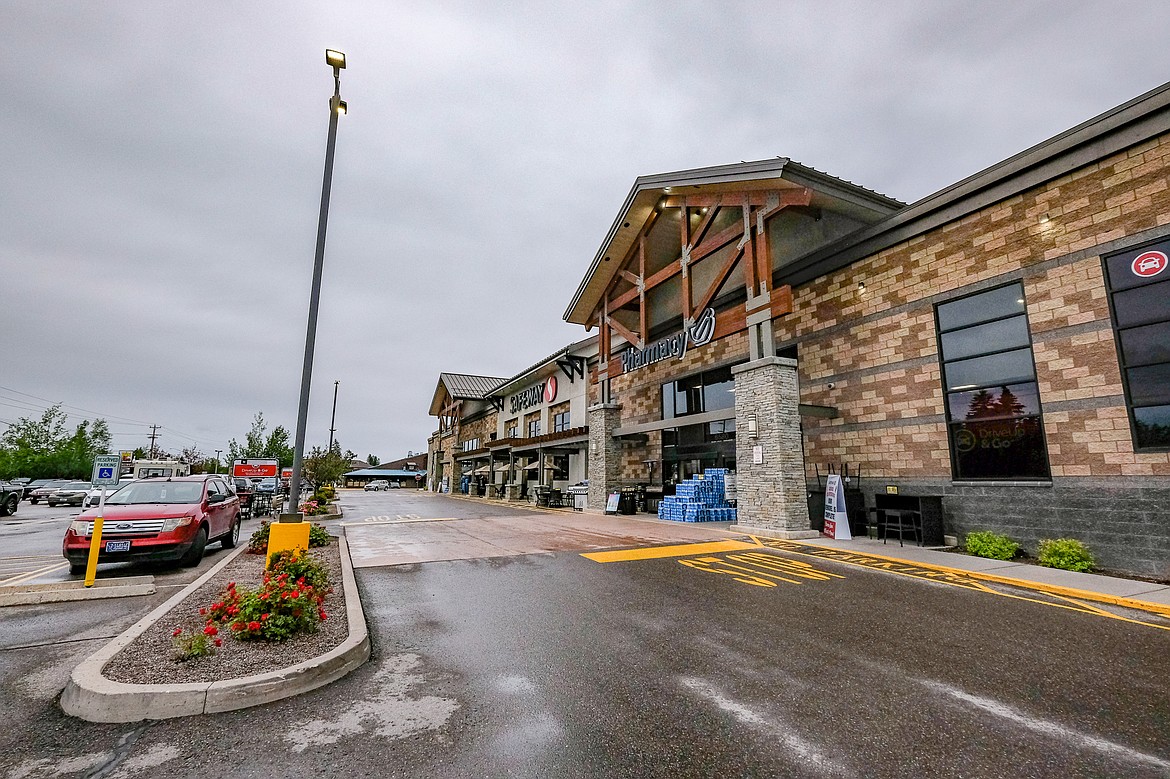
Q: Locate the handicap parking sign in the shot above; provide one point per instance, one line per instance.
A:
(105, 470)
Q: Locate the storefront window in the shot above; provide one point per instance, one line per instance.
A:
(688, 450)
(710, 391)
(533, 428)
(561, 422)
(989, 379)
(513, 429)
(1139, 287)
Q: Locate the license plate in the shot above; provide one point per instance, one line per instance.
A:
(117, 546)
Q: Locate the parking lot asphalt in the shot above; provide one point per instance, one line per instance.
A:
(664, 658)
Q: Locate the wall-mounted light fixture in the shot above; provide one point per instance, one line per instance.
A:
(861, 287)
(753, 426)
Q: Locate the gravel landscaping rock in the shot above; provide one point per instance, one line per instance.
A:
(149, 659)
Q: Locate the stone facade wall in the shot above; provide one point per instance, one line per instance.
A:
(872, 354)
(771, 494)
(604, 453)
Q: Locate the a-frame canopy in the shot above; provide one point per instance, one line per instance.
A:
(684, 240)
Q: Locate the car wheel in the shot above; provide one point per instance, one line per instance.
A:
(195, 553)
(233, 537)
(11, 505)
(77, 569)
(52, 504)
(32, 501)
(6, 508)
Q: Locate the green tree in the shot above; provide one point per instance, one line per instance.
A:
(373, 460)
(325, 466)
(259, 443)
(44, 448)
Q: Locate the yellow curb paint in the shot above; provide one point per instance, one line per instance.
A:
(1050, 589)
(287, 535)
(676, 550)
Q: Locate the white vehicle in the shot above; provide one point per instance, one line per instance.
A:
(93, 497)
(377, 484)
(151, 469)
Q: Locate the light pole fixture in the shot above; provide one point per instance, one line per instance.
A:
(218, 452)
(336, 60)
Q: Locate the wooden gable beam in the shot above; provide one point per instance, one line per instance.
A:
(719, 280)
(623, 332)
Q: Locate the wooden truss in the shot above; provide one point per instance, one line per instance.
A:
(697, 244)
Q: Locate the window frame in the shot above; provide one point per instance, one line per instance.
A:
(1163, 244)
(949, 423)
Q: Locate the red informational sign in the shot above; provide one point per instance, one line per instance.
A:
(286, 473)
(253, 469)
(1149, 264)
(550, 389)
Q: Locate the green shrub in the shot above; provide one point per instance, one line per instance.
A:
(984, 543)
(195, 644)
(258, 543)
(288, 603)
(1066, 553)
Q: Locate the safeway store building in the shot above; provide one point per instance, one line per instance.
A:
(998, 351)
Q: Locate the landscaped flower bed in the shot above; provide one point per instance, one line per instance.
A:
(244, 649)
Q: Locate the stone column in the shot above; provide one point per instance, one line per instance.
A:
(771, 497)
(605, 466)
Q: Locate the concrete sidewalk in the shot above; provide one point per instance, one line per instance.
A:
(1108, 588)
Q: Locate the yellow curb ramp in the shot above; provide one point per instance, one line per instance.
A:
(91, 696)
(1050, 589)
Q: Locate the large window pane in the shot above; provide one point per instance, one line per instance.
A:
(1000, 449)
(993, 336)
(991, 370)
(1142, 305)
(668, 400)
(1145, 345)
(718, 396)
(982, 308)
(995, 402)
(1152, 425)
(1150, 385)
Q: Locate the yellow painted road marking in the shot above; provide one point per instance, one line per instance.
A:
(676, 550)
(21, 578)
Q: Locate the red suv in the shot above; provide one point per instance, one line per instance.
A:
(158, 519)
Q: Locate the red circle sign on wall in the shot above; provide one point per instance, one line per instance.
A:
(1149, 264)
(550, 389)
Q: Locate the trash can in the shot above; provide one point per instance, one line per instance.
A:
(580, 498)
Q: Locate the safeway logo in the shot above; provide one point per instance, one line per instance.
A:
(550, 389)
(1149, 264)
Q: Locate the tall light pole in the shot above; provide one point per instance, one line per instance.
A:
(336, 60)
(218, 452)
(333, 419)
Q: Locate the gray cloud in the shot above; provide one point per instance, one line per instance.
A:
(162, 169)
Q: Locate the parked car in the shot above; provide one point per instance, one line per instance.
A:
(35, 484)
(10, 495)
(377, 484)
(70, 494)
(266, 486)
(158, 519)
(94, 496)
(45, 490)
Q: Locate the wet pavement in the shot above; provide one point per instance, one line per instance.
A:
(726, 659)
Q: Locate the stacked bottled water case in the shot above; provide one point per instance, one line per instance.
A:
(702, 499)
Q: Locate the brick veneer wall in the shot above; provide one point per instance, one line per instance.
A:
(878, 349)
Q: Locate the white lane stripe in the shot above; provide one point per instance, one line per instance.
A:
(1046, 727)
(805, 751)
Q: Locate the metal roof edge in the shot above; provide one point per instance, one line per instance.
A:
(1118, 128)
(524, 374)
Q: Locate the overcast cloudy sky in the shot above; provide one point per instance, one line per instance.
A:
(161, 167)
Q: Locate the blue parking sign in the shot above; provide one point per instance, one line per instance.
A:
(105, 473)
(105, 470)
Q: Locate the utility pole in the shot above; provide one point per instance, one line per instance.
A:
(333, 419)
(153, 436)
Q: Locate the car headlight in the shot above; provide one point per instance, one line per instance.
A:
(172, 523)
(79, 527)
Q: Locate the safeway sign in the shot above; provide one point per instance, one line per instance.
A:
(253, 469)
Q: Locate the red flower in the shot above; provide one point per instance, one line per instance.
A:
(295, 594)
(263, 617)
(263, 596)
(203, 612)
(237, 626)
(210, 630)
(322, 615)
(231, 585)
(253, 625)
(219, 642)
(177, 631)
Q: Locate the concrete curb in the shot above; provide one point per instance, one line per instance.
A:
(60, 592)
(93, 697)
